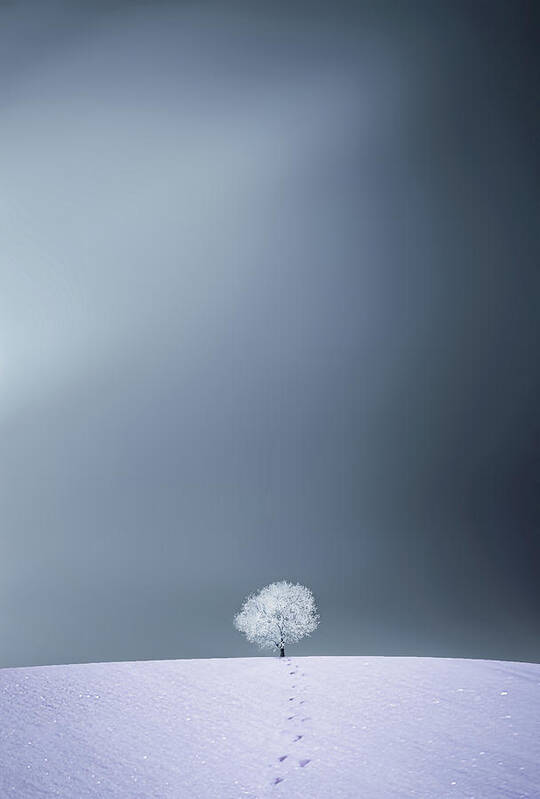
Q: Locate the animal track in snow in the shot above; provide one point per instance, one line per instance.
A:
(288, 763)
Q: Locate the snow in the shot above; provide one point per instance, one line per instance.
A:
(300, 727)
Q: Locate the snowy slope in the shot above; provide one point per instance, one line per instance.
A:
(361, 728)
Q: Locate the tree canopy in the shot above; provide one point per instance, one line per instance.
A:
(281, 611)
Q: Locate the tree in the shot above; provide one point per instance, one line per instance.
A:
(281, 613)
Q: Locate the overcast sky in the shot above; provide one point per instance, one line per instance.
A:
(269, 308)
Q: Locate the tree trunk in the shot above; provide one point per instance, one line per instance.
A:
(282, 652)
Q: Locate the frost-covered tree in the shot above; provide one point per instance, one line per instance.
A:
(281, 613)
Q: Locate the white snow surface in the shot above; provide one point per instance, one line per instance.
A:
(354, 727)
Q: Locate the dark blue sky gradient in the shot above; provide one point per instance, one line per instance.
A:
(269, 308)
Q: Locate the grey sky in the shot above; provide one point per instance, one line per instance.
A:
(269, 298)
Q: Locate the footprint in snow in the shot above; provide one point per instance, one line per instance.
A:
(282, 758)
(298, 737)
(307, 718)
(302, 763)
(290, 718)
(278, 779)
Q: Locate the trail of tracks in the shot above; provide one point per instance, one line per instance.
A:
(295, 733)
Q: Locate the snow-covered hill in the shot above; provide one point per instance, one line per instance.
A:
(354, 727)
